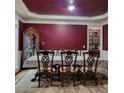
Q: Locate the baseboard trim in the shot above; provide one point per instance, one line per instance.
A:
(17, 70)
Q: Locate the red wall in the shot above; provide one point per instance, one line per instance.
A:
(59, 36)
(105, 37)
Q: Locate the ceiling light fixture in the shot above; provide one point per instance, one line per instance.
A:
(71, 1)
(71, 7)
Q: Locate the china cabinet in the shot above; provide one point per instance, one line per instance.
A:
(94, 39)
(31, 39)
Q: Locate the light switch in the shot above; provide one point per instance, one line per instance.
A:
(83, 46)
(42, 43)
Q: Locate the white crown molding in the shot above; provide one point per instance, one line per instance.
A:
(61, 17)
(69, 22)
(105, 22)
(17, 16)
(28, 16)
(20, 8)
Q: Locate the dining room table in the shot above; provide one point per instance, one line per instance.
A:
(32, 62)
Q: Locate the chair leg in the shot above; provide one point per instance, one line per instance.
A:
(84, 80)
(51, 80)
(74, 80)
(62, 83)
(61, 78)
(74, 83)
(96, 81)
(38, 80)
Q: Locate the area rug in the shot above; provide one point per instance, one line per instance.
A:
(26, 86)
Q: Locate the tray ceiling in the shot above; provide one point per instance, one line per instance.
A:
(88, 8)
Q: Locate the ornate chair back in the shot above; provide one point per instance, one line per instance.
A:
(90, 61)
(68, 60)
(45, 60)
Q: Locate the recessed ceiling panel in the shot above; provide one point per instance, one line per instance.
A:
(60, 7)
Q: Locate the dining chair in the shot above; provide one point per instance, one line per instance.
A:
(90, 66)
(68, 67)
(45, 62)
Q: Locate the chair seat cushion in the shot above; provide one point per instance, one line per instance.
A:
(86, 69)
(71, 69)
(48, 69)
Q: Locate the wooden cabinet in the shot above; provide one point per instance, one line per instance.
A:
(31, 42)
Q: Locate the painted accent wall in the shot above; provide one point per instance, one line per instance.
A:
(58, 36)
(105, 37)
